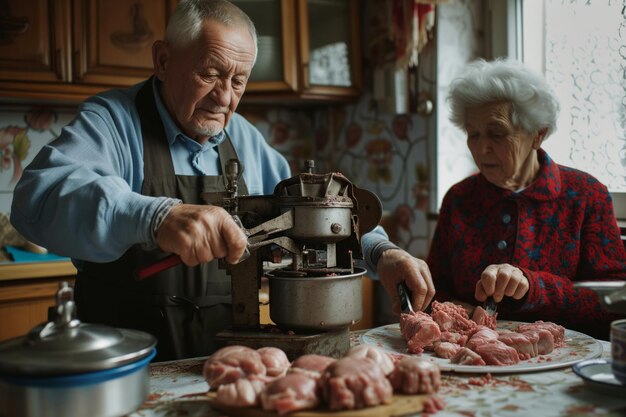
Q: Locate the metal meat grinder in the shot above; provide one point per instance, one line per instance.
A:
(315, 221)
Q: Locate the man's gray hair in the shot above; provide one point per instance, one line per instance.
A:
(186, 21)
(534, 104)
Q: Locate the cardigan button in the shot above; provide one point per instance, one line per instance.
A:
(506, 219)
(502, 245)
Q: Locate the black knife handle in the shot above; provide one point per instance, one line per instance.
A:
(405, 298)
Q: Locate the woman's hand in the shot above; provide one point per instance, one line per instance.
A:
(500, 280)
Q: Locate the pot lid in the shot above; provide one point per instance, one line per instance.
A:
(67, 346)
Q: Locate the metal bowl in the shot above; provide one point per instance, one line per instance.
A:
(316, 303)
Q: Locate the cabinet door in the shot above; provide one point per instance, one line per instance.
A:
(113, 39)
(34, 40)
(307, 50)
(329, 47)
(276, 67)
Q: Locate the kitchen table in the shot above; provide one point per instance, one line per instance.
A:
(175, 387)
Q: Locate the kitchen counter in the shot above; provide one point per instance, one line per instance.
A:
(177, 388)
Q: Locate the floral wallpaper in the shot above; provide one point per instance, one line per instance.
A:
(23, 132)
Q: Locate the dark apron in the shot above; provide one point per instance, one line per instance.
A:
(184, 307)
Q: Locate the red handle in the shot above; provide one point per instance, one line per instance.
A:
(158, 266)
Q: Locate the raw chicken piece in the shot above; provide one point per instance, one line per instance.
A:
(466, 356)
(446, 350)
(311, 365)
(290, 393)
(230, 363)
(351, 383)
(452, 317)
(377, 355)
(558, 332)
(419, 330)
(481, 318)
(244, 392)
(524, 344)
(275, 361)
(413, 375)
(497, 353)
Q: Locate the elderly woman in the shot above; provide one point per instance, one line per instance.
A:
(524, 229)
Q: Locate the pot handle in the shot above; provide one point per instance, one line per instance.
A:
(65, 317)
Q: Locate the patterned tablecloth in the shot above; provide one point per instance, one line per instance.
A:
(560, 393)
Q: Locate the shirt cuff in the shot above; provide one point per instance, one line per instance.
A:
(159, 215)
(376, 252)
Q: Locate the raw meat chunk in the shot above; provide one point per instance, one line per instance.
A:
(413, 375)
(419, 330)
(290, 393)
(275, 361)
(244, 392)
(480, 336)
(311, 365)
(497, 353)
(467, 356)
(377, 355)
(446, 350)
(230, 363)
(545, 340)
(481, 318)
(558, 332)
(351, 383)
(524, 344)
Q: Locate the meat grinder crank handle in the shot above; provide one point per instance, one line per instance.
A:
(173, 259)
(158, 266)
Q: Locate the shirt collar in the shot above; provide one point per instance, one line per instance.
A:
(547, 185)
(172, 131)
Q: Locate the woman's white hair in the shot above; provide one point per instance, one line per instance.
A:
(534, 104)
(186, 21)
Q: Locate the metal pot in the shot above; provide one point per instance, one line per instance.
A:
(612, 294)
(316, 303)
(68, 368)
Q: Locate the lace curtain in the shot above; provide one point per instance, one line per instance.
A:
(584, 60)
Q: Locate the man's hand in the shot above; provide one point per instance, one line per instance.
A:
(199, 234)
(500, 280)
(396, 266)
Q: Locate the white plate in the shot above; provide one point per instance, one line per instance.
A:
(578, 347)
(598, 375)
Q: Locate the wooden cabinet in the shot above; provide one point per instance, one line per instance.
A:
(26, 293)
(309, 50)
(71, 49)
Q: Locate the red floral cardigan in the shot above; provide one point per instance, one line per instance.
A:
(559, 230)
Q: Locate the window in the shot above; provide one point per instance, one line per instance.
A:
(580, 46)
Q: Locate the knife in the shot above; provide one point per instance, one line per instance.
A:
(490, 306)
(405, 298)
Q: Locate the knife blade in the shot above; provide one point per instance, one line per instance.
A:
(405, 298)
(490, 306)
